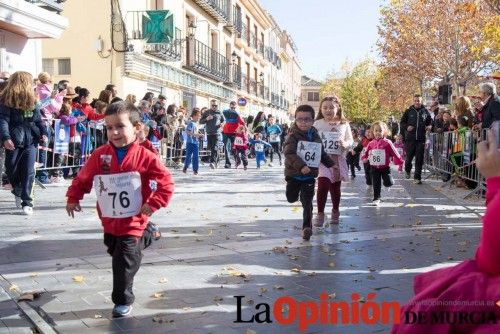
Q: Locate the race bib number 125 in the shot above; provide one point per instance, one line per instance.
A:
(119, 195)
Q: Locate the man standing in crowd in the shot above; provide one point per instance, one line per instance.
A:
(490, 104)
(213, 119)
(415, 121)
(394, 127)
(232, 120)
(112, 89)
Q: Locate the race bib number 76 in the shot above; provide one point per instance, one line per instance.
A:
(119, 195)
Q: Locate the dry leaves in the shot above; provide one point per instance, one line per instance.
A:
(13, 287)
(158, 295)
(163, 280)
(78, 279)
(295, 270)
(218, 299)
(331, 265)
(262, 291)
(251, 331)
(278, 287)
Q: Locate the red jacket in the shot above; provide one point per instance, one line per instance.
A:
(149, 146)
(138, 159)
(244, 137)
(89, 112)
(390, 151)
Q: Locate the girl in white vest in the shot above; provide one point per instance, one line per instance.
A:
(336, 136)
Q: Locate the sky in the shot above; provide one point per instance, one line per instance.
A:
(328, 32)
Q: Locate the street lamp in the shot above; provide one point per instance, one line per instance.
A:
(234, 57)
(191, 29)
(261, 77)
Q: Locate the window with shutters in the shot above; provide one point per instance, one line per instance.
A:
(64, 66)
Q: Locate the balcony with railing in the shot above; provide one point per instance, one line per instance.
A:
(260, 47)
(244, 83)
(158, 41)
(252, 41)
(219, 9)
(266, 93)
(235, 79)
(235, 24)
(208, 62)
(253, 87)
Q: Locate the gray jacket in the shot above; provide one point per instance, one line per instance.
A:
(213, 126)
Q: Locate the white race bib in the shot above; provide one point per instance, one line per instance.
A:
(259, 147)
(377, 157)
(310, 153)
(238, 141)
(331, 142)
(119, 195)
(274, 138)
(400, 151)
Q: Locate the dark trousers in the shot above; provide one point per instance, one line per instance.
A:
(275, 149)
(379, 175)
(20, 169)
(368, 176)
(415, 149)
(228, 140)
(304, 191)
(241, 156)
(126, 252)
(212, 141)
(43, 175)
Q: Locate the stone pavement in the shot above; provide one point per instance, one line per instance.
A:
(225, 234)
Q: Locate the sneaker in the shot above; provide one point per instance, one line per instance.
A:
(237, 166)
(281, 164)
(306, 233)
(195, 173)
(407, 175)
(417, 181)
(27, 210)
(19, 202)
(227, 166)
(376, 202)
(184, 170)
(154, 230)
(245, 167)
(320, 219)
(121, 310)
(212, 165)
(271, 165)
(359, 168)
(335, 217)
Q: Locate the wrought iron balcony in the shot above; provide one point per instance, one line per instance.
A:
(219, 9)
(155, 29)
(244, 83)
(260, 47)
(253, 87)
(52, 5)
(235, 24)
(235, 79)
(208, 62)
(266, 93)
(252, 41)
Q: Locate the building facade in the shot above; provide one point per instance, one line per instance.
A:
(310, 92)
(191, 51)
(22, 26)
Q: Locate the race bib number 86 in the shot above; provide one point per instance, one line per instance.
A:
(119, 195)
(377, 157)
(310, 153)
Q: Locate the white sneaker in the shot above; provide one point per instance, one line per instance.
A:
(19, 202)
(28, 210)
(376, 202)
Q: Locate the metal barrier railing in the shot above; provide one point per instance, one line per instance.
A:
(452, 155)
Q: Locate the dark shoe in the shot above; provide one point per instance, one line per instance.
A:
(407, 175)
(359, 168)
(154, 230)
(306, 233)
(120, 311)
(184, 170)
(227, 166)
(245, 167)
(417, 181)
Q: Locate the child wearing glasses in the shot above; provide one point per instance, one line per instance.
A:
(303, 153)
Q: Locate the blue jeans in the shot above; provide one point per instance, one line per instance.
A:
(228, 140)
(260, 157)
(192, 155)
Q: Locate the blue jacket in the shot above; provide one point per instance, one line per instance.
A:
(24, 128)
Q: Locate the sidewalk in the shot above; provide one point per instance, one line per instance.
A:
(225, 234)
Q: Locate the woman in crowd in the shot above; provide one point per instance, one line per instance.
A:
(21, 130)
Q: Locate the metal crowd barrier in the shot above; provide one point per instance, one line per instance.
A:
(452, 155)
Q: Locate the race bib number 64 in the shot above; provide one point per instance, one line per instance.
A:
(119, 195)
(310, 153)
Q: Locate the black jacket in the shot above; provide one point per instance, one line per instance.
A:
(23, 128)
(419, 119)
(213, 126)
(491, 111)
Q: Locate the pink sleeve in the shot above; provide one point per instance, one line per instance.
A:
(367, 151)
(489, 245)
(394, 153)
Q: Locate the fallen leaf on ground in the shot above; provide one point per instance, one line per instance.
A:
(312, 274)
(262, 291)
(158, 295)
(13, 287)
(250, 302)
(266, 210)
(295, 270)
(332, 295)
(278, 287)
(163, 280)
(251, 331)
(78, 279)
(186, 308)
(331, 265)
(33, 275)
(218, 299)
(97, 316)
(210, 233)
(296, 209)
(280, 249)
(27, 297)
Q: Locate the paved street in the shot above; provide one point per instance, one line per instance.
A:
(226, 233)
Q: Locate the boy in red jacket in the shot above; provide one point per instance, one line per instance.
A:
(121, 172)
(378, 154)
(240, 146)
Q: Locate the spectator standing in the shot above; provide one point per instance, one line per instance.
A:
(231, 122)
(490, 104)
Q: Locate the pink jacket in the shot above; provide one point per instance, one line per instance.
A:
(43, 91)
(388, 147)
(244, 137)
(471, 281)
